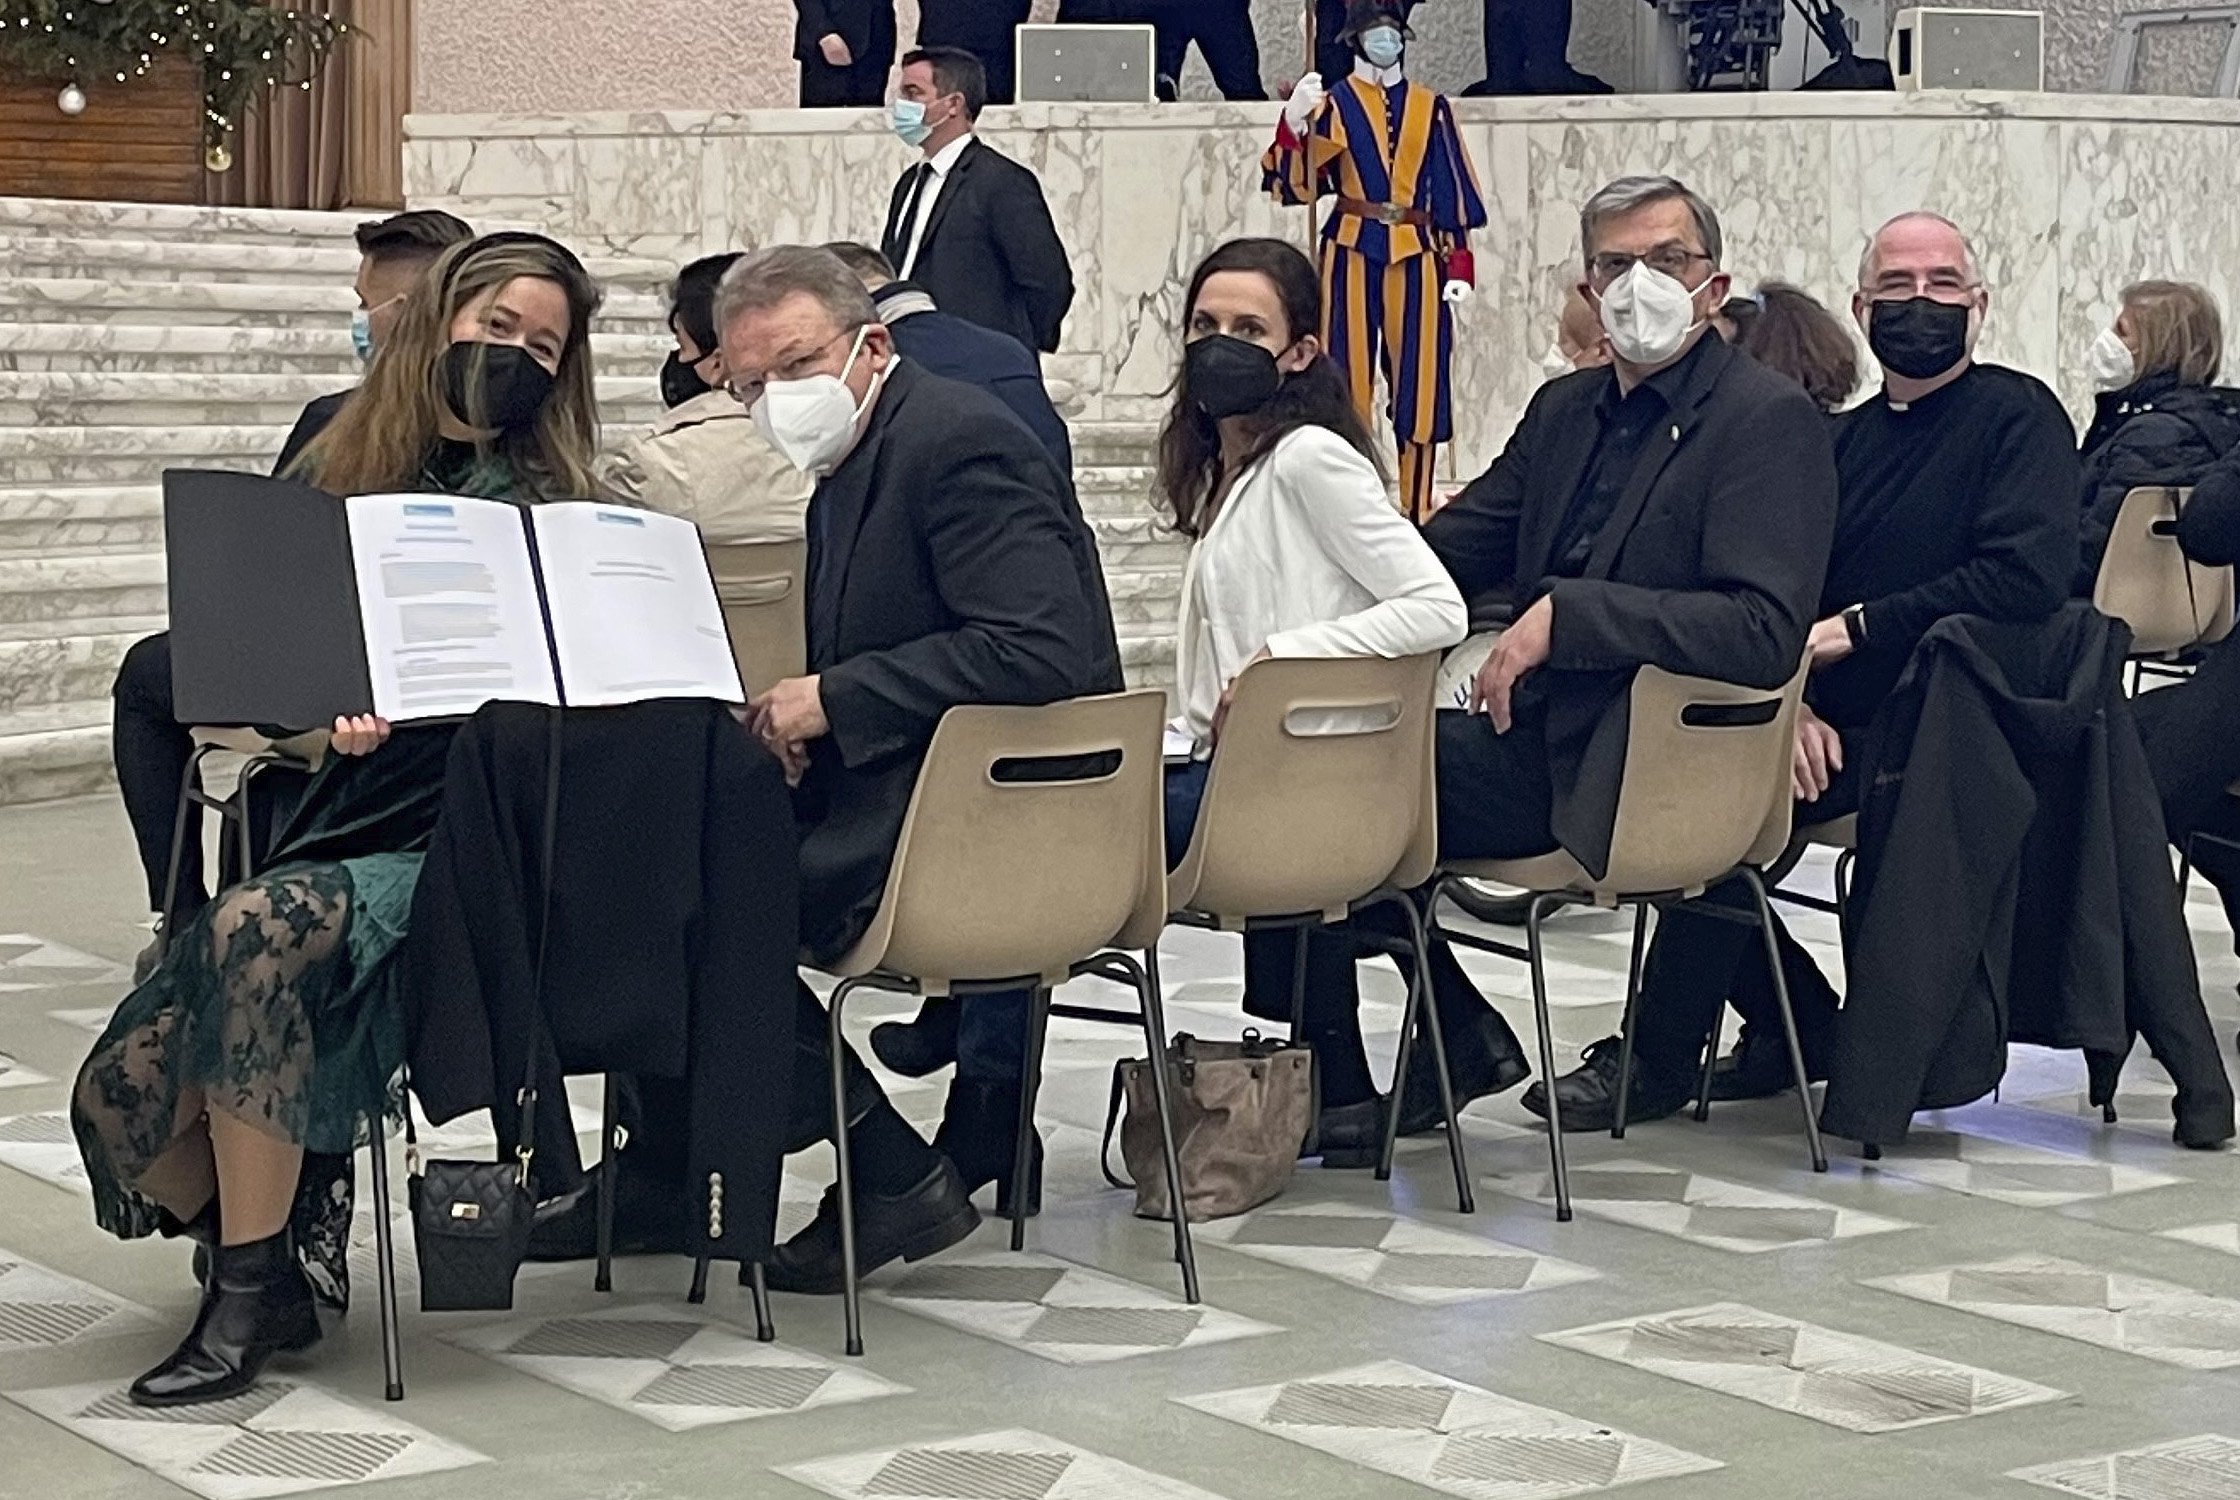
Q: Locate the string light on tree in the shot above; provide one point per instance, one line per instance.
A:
(72, 100)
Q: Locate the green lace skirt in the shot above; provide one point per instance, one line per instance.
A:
(277, 1006)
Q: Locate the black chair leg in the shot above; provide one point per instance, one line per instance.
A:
(699, 1292)
(1030, 1085)
(1626, 1020)
(1146, 977)
(851, 1294)
(185, 823)
(385, 1267)
(1425, 1013)
(1788, 1020)
(1710, 1067)
(1299, 939)
(765, 1330)
(1541, 906)
(603, 1220)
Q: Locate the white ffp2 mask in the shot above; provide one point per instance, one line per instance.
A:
(2109, 362)
(812, 421)
(1648, 315)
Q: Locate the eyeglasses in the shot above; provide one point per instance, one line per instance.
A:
(1947, 282)
(1669, 260)
(748, 392)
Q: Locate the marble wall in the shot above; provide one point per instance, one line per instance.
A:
(2067, 200)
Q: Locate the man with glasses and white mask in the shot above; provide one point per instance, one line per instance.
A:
(948, 564)
(1956, 487)
(1672, 508)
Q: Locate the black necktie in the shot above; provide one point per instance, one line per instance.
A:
(898, 241)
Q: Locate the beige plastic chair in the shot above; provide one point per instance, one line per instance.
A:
(1705, 795)
(1002, 884)
(759, 585)
(258, 753)
(2171, 602)
(1321, 800)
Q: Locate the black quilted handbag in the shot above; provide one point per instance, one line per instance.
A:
(470, 1226)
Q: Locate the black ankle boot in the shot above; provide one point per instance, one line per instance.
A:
(258, 1303)
(980, 1133)
(922, 1046)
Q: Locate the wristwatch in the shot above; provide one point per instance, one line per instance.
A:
(1855, 625)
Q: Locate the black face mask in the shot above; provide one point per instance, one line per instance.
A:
(680, 382)
(513, 386)
(1229, 377)
(1918, 338)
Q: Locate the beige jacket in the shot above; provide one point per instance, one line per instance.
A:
(706, 462)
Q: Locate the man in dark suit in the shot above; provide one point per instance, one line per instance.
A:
(948, 564)
(956, 350)
(845, 48)
(1222, 30)
(983, 28)
(1673, 509)
(967, 223)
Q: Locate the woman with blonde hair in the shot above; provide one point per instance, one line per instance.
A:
(226, 1095)
(2161, 419)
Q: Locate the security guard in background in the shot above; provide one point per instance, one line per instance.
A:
(1221, 28)
(983, 28)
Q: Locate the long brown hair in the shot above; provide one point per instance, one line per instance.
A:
(1801, 339)
(381, 438)
(1190, 469)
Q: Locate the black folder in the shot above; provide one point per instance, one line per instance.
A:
(264, 602)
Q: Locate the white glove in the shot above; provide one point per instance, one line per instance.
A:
(1455, 293)
(1305, 103)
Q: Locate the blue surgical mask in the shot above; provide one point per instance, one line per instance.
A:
(907, 118)
(1382, 45)
(361, 334)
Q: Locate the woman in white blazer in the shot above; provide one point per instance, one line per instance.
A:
(1299, 551)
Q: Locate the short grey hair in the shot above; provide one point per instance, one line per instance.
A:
(1629, 193)
(761, 279)
(1867, 263)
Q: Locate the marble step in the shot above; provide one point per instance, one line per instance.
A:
(205, 225)
(55, 750)
(1111, 442)
(40, 665)
(68, 299)
(40, 456)
(34, 253)
(1116, 490)
(1144, 597)
(321, 350)
(52, 398)
(87, 586)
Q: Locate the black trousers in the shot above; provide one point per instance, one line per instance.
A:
(1707, 952)
(983, 28)
(2191, 733)
(1528, 44)
(1222, 30)
(1494, 798)
(861, 84)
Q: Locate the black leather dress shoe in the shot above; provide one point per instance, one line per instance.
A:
(1589, 1096)
(921, 1047)
(258, 1303)
(1485, 1059)
(649, 1219)
(1350, 1137)
(910, 1226)
(1758, 1068)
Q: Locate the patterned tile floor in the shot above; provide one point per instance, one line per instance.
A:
(2022, 1300)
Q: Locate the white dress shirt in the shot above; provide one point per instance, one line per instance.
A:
(942, 163)
(1306, 557)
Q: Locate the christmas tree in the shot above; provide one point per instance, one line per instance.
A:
(245, 49)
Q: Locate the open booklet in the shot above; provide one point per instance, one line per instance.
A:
(290, 608)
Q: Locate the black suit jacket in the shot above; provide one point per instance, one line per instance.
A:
(1711, 565)
(957, 350)
(948, 564)
(991, 254)
(975, 25)
(310, 422)
(853, 20)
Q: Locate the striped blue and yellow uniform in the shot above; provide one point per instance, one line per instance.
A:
(1381, 279)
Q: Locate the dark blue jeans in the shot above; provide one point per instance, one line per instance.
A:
(992, 1030)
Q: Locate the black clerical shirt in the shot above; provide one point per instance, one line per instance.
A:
(1626, 420)
(1961, 503)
